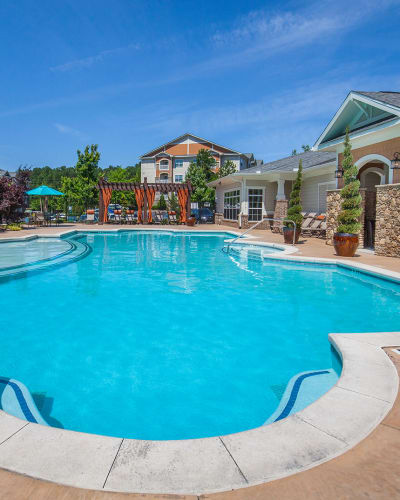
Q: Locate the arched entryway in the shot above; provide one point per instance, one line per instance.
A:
(373, 170)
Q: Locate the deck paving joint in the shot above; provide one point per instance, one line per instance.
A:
(113, 462)
(363, 394)
(16, 432)
(234, 461)
(322, 430)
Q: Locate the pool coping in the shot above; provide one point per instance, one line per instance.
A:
(327, 428)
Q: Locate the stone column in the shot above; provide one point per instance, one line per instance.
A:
(387, 230)
(333, 204)
(281, 209)
(333, 207)
(218, 219)
(281, 206)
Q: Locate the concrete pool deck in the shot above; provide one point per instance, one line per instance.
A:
(327, 429)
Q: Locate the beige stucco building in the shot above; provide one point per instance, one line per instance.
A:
(373, 119)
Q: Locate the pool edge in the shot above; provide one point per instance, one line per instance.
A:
(207, 465)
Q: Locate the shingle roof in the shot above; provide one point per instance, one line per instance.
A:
(392, 98)
(309, 159)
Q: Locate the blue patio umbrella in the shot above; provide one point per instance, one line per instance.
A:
(44, 191)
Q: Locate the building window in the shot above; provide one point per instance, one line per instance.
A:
(178, 163)
(255, 204)
(232, 205)
(164, 165)
(178, 178)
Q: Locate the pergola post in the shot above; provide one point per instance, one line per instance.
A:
(101, 207)
(189, 204)
(145, 217)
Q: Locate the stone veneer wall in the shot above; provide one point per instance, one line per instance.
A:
(333, 205)
(387, 230)
(281, 209)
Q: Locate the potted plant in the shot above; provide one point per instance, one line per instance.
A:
(345, 240)
(294, 212)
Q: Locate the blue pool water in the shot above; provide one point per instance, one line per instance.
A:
(163, 336)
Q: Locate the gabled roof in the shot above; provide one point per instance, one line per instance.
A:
(183, 136)
(309, 159)
(361, 111)
(392, 98)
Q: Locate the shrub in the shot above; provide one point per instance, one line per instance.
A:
(294, 212)
(14, 227)
(349, 215)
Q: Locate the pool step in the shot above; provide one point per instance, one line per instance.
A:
(77, 251)
(302, 390)
(16, 400)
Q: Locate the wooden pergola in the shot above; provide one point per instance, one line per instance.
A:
(145, 194)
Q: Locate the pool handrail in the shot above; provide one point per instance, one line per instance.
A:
(257, 224)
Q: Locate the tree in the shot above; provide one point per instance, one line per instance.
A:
(80, 189)
(350, 213)
(173, 204)
(294, 152)
(119, 174)
(162, 204)
(227, 168)
(12, 195)
(306, 147)
(294, 211)
(199, 174)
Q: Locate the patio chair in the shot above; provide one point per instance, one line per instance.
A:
(118, 216)
(39, 219)
(172, 218)
(90, 216)
(316, 227)
(156, 216)
(307, 220)
(130, 217)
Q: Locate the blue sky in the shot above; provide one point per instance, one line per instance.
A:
(262, 77)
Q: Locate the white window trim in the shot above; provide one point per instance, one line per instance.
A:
(230, 190)
(263, 211)
(333, 182)
(163, 167)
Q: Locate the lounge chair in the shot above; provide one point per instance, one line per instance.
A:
(317, 227)
(130, 217)
(156, 216)
(118, 216)
(90, 216)
(307, 220)
(172, 218)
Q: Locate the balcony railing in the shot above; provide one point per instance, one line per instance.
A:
(163, 180)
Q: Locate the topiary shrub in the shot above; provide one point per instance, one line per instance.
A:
(349, 216)
(294, 212)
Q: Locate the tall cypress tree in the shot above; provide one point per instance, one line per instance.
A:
(294, 212)
(349, 215)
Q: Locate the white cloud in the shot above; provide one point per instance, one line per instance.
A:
(87, 62)
(65, 129)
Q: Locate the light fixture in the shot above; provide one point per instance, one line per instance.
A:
(396, 161)
(339, 172)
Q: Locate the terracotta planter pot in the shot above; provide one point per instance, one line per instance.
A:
(345, 244)
(288, 233)
(191, 221)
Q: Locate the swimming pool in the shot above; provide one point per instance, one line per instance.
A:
(160, 335)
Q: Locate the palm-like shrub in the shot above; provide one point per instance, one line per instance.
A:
(294, 212)
(349, 216)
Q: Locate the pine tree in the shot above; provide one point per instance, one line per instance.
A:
(294, 212)
(349, 215)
